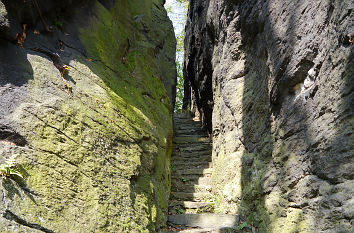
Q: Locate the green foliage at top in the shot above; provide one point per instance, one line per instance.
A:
(179, 21)
(179, 88)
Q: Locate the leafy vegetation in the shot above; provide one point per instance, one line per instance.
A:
(58, 23)
(179, 211)
(242, 225)
(9, 168)
(184, 179)
(177, 11)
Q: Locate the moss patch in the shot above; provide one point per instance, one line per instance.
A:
(99, 156)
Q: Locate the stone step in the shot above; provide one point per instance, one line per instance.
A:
(191, 188)
(187, 177)
(188, 152)
(181, 123)
(188, 118)
(204, 230)
(194, 171)
(196, 133)
(189, 128)
(190, 196)
(182, 116)
(193, 130)
(211, 221)
(192, 147)
(192, 144)
(183, 164)
(189, 160)
(185, 119)
(187, 125)
(191, 180)
(188, 204)
(182, 140)
(191, 135)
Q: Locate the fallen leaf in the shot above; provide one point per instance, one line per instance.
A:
(8, 143)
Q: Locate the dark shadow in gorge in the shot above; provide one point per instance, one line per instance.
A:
(256, 123)
(197, 68)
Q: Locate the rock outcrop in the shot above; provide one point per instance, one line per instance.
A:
(273, 82)
(85, 115)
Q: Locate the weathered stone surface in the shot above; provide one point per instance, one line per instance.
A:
(273, 81)
(4, 21)
(94, 146)
(211, 221)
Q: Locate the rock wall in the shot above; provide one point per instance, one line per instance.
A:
(92, 147)
(273, 81)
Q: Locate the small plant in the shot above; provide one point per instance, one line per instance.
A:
(179, 211)
(58, 23)
(220, 210)
(9, 168)
(241, 226)
(184, 180)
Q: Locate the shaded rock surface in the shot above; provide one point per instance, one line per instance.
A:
(273, 82)
(92, 140)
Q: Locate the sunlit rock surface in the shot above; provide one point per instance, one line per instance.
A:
(93, 146)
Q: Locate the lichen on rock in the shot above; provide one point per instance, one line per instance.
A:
(97, 140)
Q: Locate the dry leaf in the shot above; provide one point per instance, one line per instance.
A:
(8, 143)
(21, 37)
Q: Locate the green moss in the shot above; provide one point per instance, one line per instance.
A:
(100, 159)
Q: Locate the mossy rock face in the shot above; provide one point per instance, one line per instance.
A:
(94, 146)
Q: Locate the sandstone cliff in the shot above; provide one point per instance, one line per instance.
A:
(273, 82)
(93, 147)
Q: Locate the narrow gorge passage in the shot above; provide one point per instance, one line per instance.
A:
(191, 200)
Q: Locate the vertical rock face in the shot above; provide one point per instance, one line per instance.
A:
(85, 115)
(277, 77)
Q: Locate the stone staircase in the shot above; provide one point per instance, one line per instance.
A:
(191, 200)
